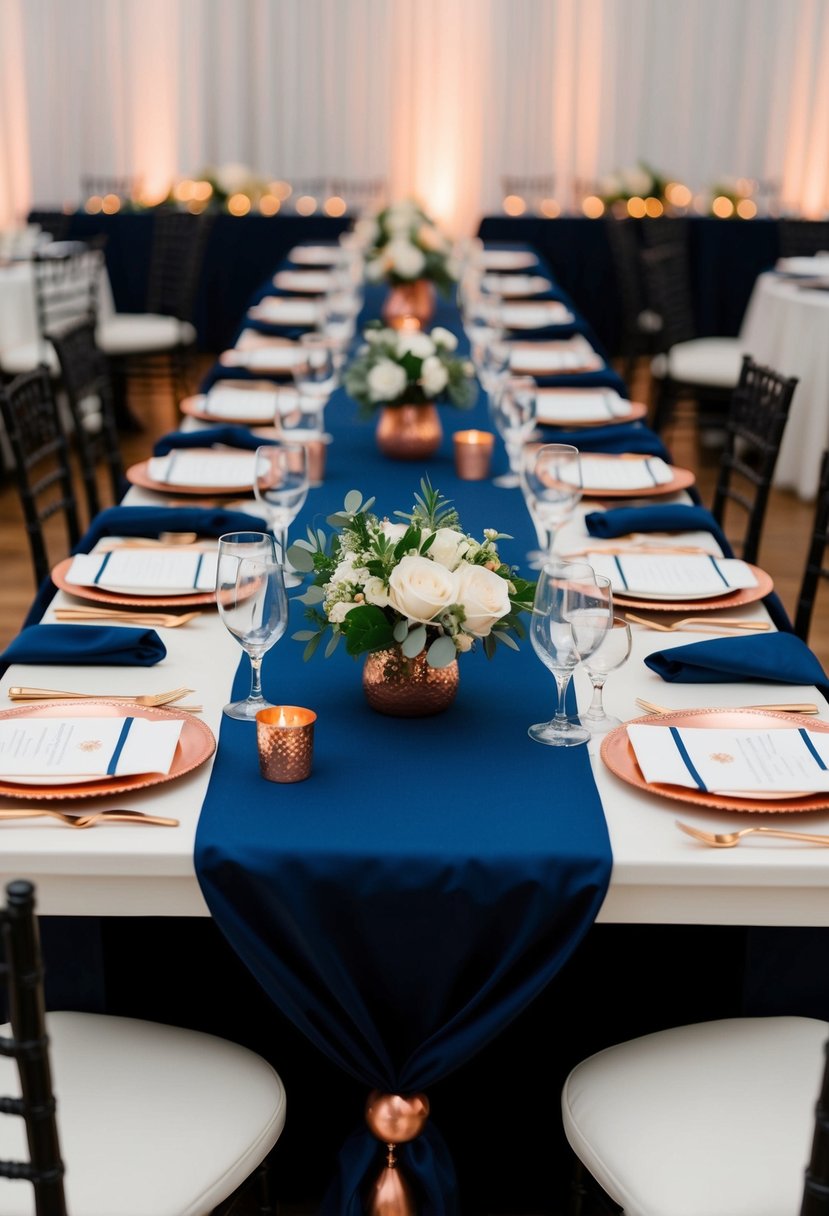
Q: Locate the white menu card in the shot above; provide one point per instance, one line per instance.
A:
(624, 473)
(673, 576)
(282, 310)
(192, 467)
(535, 316)
(315, 281)
(516, 284)
(149, 571)
(561, 405)
(231, 404)
(85, 748)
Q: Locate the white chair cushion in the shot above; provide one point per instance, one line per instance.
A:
(713, 362)
(138, 333)
(26, 358)
(713, 1119)
(153, 1120)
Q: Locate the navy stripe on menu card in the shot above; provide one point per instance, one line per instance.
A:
(119, 746)
(621, 572)
(686, 759)
(102, 567)
(651, 473)
(804, 734)
(198, 572)
(715, 564)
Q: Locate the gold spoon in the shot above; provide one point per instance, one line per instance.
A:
(87, 821)
(793, 707)
(727, 840)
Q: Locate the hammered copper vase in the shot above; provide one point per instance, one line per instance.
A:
(409, 432)
(409, 305)
(408, 688)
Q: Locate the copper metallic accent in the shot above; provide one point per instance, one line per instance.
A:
(409, 305)
(636, 411)
(138, 475)
(681, 478)
(409, 432)
(396, 1118)
(619, 756)
(731, 599)
(391, 1194)
(285, 739)
(473, 454)
(100, 595)
(317, 451)
(408, 688)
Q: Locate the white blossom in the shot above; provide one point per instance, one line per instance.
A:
(386, 380)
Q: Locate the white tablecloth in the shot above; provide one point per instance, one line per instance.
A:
(786, 326)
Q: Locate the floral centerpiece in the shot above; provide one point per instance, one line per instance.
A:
(415, 594)
(404, 373)
(639, 181)
(407, 251)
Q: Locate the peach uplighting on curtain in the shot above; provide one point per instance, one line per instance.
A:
(440, 98)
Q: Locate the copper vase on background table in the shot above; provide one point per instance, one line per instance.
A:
(409, 305)
(408, 688)
(409, 432)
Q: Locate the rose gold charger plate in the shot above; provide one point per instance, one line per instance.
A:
(731, 599)
(619, 756)
(119, 599)
(637, 411)
(681, 479)
(196, 744)
(193, 406)
(137, 475)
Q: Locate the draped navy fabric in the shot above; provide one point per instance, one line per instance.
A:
(405, 903)
(782, 658)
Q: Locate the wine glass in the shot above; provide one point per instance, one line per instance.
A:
(611, 653)
(572, 611)
(550, 477)
(513, 411)
(280, 483)
(338, 312)
(250, 594)
(315, 376)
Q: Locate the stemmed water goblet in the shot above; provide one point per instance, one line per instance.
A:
(612, 652)
(315, 377)
(572, 611)
(253, 606)
(551, 480)
(513, 412)
(280, 483)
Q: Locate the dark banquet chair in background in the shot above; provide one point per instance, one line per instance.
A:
(803, 238)
(85, 375)
(640, 325)
(704, 370)
(754, 427)
(716, 1117)
(42, 467)
(816, 567)
(114, 1116)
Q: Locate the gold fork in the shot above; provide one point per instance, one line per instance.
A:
(792, 707)
(87, 821)
(169, 620)
(18, 693)
(704, 624)
(727, 840)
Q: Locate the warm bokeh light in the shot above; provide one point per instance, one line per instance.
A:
(745, 186)
(195, 206)
(306, 204)
(282, 190)
(93, 205)
(746, 209)
(184, 191)
(202, 191)
(110, 203)
(636, 208)
(593, 207)
(653, 207)
(334, 206)
(549, 208)
(722, 207)
(678, 195)
(238, 204)
(269, 204)
(514, 204)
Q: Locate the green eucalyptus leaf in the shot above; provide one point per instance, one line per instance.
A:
(333, 643)
(300, 558)
(415, 642)
(353, 501)
(401, 631)
(313, 595)
(304, 635)
(505, 638)
(441, 652)
(311, 647)
(311, 545)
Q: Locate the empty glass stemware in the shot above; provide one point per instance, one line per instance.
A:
(513, 411)
(572, 611)
(315, 376)
(250, 594)
(280, 483)
(612, 652)
(551, 479)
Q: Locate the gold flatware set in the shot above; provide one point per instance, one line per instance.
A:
(170, 699)
(727, 840)
(166, 620)
(87, 821)
(791, 707)
(702, 624)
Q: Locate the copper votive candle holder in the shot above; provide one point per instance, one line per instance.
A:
(285, 740)
(317, 450)
(473, 454)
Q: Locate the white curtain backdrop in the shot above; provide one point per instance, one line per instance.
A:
(441, 98)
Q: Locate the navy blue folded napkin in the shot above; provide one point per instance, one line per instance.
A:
(780, 658)
(672, 517)
(152, 521)
(86, 646)
(625, 437)
(228, 436)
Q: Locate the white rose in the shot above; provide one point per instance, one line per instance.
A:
(375, 269)
(376, 593)
(398, 223)
(448, 547)
(444, 338)
(338, 612)
(405, 258)
(484, 596)
(415, 343)
(421, 589)
(393, 531)
(386, 380)
(433, 376)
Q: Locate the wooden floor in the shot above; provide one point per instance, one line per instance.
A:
(783, 553)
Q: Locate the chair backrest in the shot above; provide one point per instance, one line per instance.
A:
(803, 238)
(666, 274)
(623, 239)
(816, 1181)
(179, 243)
(28, 1046)
(42, 467)
(816, 567)
(66, 278)
(85, 377)
(757, 415)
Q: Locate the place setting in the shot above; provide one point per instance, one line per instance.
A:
(195, 471)
(554, 357)
(310, 282)
(514, 286)
(249, 403)
(585, 407)
(534, 314)
(265, 353)
(137, 577)
(680, 582)
(295, 311)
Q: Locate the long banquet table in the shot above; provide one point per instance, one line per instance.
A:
(367, 766)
